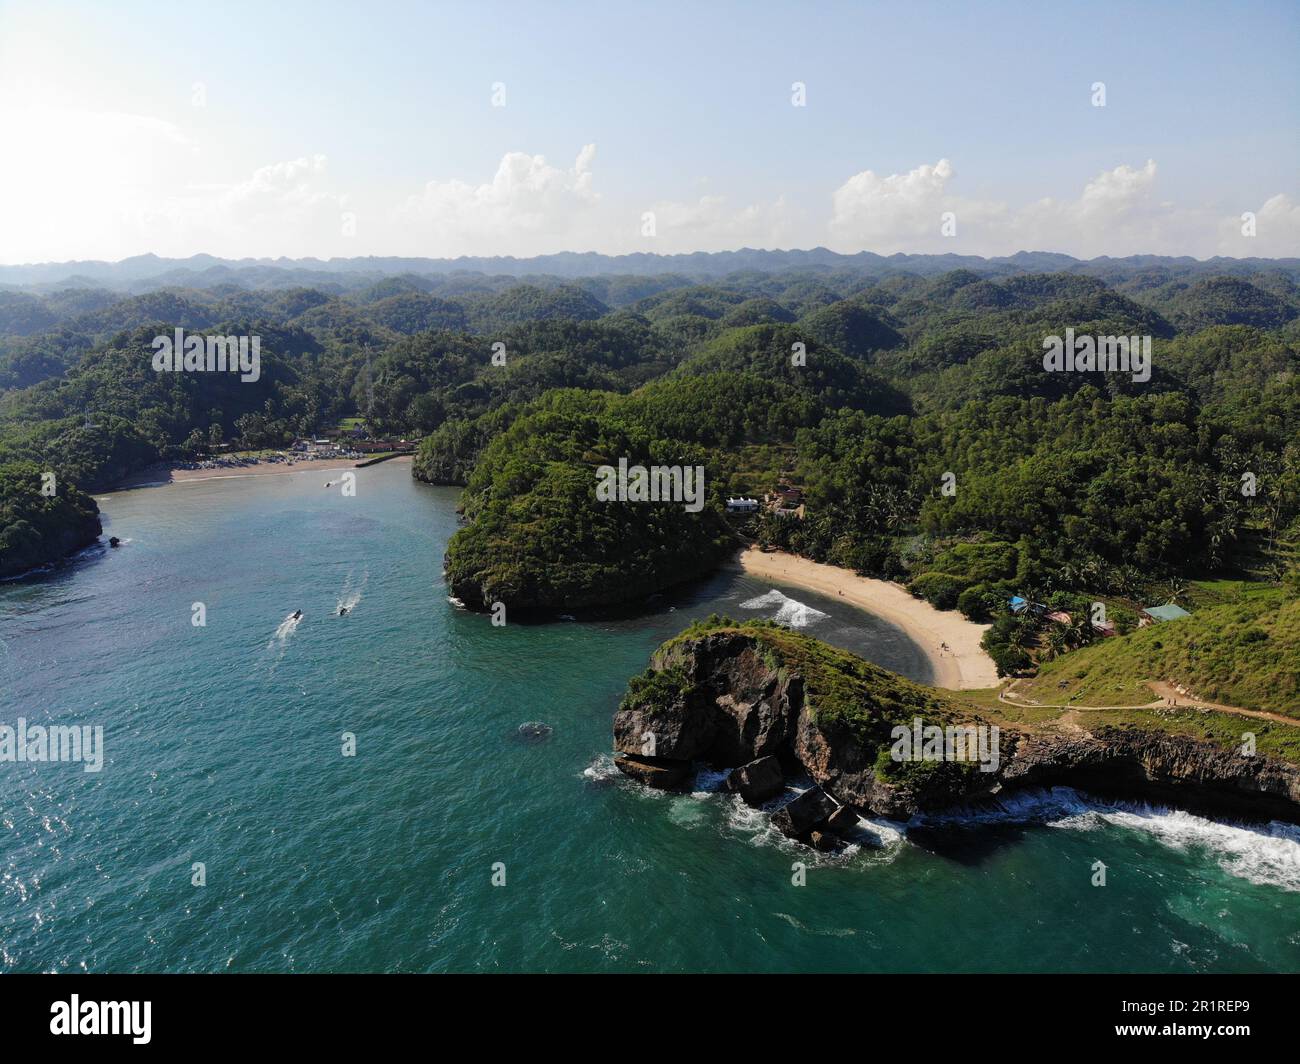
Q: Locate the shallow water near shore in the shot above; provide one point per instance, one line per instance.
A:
(222, 746)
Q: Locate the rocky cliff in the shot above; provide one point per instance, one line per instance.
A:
(739, 695)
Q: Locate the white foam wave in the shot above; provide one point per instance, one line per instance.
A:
(602, 769)
(789, 611)
(1267, 854)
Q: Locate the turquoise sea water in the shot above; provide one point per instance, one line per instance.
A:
(223, 747)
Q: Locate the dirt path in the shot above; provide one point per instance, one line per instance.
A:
(1167, 694)
(1166, 690)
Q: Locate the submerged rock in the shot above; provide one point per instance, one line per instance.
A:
(534, 731)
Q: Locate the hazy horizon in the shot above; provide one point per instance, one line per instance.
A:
(288, 261)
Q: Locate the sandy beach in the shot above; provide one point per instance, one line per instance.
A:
(150, 478)
(962, 666)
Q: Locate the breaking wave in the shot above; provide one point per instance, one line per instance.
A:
(790, 612)
(1267, 854)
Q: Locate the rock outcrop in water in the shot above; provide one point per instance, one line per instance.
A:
(752, 697)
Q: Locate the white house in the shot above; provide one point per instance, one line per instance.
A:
(742, 505)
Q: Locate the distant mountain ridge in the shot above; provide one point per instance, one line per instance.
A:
(207, 270)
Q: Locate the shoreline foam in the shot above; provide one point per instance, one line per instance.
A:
(963, 666)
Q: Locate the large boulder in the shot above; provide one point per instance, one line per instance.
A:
(843, 822)
(799, 816)
(758, 781)
(825, 841)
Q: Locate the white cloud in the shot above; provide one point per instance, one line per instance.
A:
(904, 212)
(710, 223)
(284, 204)
(1277, 231)
(72, 175)
(105, 184)
(527, 208)
(110, 184)
(1117, 212)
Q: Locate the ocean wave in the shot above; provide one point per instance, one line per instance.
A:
(790, 612)
(1265, 854)
(799, 925)
(602, 769)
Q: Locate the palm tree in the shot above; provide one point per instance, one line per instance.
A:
(1127, 580)
(1079, 632)
(1057, 642)
(1021, 635)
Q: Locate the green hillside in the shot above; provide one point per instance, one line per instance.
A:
(1244, 653)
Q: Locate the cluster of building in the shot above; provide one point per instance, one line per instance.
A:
(352, 446)
(1150, 615)
(785, 501)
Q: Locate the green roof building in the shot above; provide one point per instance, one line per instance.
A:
(1169, 612)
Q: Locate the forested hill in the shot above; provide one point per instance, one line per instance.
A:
(860, 385)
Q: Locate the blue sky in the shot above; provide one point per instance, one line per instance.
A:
(260, 129)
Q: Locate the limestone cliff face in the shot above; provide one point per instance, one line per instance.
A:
(1160, 767)
(732, 701)
(734, 706)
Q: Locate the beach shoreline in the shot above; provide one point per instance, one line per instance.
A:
(962, 666)
(155, 477)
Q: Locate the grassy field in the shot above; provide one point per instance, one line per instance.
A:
(1223, 729)
(1244, 652)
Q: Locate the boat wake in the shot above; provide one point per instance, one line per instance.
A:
(349, 596)
(790, 612)
(287, 627)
